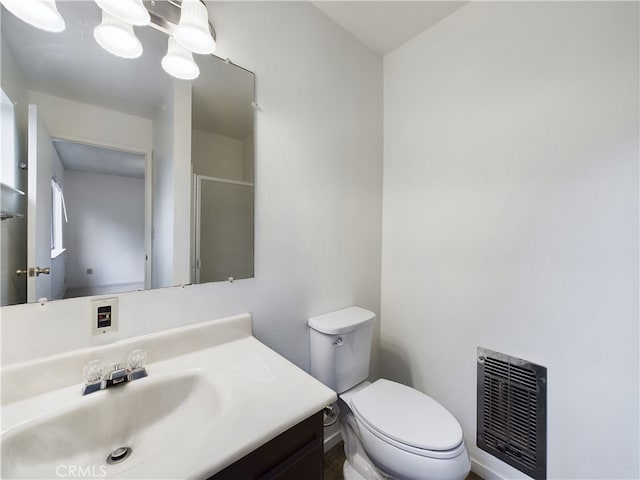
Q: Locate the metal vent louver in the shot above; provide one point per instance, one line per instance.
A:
(512, 411)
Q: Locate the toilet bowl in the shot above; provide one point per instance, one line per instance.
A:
(389, 430)
(404, 433)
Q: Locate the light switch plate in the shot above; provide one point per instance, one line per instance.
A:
(104, 315)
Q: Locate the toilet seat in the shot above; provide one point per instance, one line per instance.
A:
(407, 419)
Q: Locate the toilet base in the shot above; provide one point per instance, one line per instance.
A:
(357, 465)
(351, 473)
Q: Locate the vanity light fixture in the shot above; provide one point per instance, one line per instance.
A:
(185, 22)
(178, 62)
(117, 37)
(42, 14)
(129, 11)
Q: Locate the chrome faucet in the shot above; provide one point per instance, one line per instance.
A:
(95, 379)
(117, 376)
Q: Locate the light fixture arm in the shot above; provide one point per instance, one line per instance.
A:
(165, 15)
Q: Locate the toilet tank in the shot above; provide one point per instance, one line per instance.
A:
(341, 347)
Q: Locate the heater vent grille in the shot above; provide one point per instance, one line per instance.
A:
(512, 412)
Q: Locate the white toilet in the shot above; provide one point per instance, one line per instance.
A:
(389, 430)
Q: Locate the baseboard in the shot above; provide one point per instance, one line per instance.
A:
(483, 471)
(332, 438)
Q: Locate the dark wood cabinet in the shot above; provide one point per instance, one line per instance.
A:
(296, 454)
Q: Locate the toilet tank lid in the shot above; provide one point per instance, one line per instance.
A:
(342, 321)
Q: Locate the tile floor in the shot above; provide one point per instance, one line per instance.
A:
(334, 459)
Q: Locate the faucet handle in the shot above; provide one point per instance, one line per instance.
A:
(137, 359)
(92, 371)
(93, 377)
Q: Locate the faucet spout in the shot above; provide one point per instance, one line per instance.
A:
(116, 376)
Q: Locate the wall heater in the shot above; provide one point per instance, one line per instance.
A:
(512, 411)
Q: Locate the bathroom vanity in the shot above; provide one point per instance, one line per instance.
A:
(216, 403)
(293, 455)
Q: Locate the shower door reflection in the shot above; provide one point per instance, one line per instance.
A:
(223, 223)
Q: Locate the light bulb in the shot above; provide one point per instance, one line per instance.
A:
(117, 37)
(193, 30)
(42, 14)
(129, 11)
(178, 62)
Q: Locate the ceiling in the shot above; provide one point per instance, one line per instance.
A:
(93, 159)
(385, 25)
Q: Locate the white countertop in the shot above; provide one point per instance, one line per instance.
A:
(258, 395)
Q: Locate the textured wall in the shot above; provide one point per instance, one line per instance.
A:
(511, 218)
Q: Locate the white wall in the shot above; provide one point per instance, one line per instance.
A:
(172, 188)
(162, 199)
(511, 218)
(105, 229)
(182, 183)
(318, 194)
(73, 120)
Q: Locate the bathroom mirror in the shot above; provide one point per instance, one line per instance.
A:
(148, 180)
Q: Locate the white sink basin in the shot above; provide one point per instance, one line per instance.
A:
(214, 394)
(151, 416)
